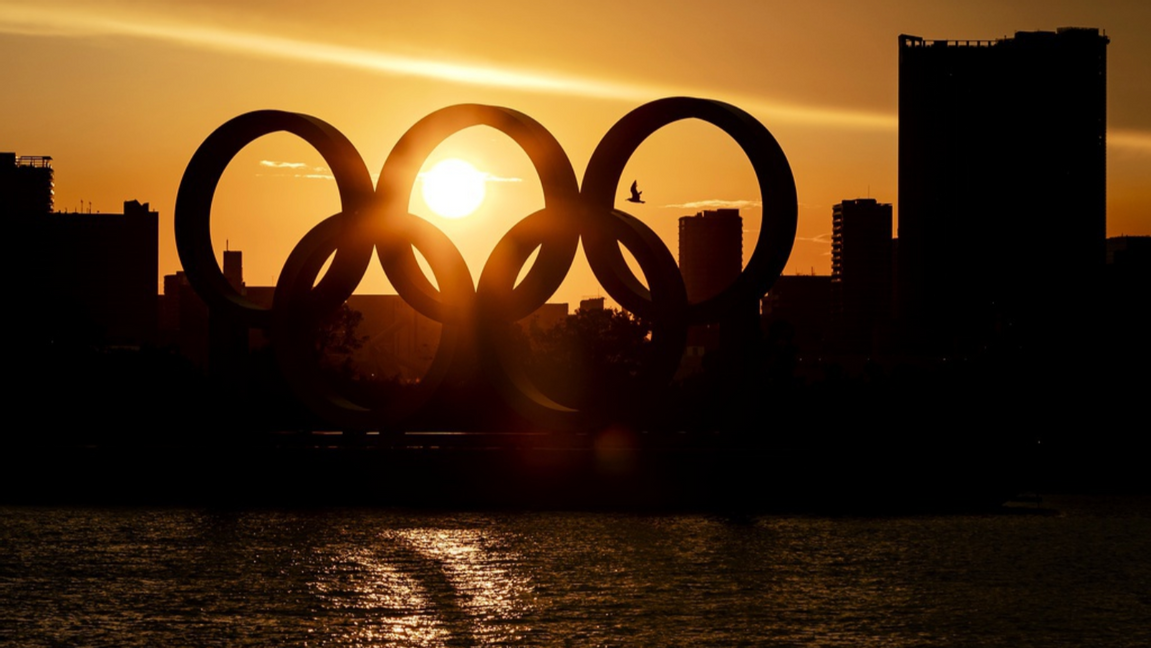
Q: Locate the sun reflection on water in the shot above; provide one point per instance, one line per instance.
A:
(426, 587)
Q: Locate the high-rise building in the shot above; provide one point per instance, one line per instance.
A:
(1002, 182)
(710, 260)
(710, 251)
(26, 186)
(860, 271)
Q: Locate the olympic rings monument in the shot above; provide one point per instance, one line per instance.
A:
(477, 317)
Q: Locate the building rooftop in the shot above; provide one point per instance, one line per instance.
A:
(40, 161)
(906, 40)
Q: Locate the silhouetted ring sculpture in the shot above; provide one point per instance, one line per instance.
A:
(476, 321)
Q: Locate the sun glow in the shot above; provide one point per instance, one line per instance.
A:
(453, 188)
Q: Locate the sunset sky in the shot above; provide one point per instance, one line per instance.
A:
(121, 94)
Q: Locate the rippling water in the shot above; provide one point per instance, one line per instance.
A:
(185, 577)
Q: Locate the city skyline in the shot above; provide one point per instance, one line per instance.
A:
(754, 448)
(124, 96)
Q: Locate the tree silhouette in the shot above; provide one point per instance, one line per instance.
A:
(590, 354)
(336, 339)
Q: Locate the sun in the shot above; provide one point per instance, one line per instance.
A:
(453, 188)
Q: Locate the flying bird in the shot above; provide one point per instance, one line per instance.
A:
(635, 193)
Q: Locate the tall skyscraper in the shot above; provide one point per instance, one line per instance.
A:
(860, 271)
(1002, 182)
(710, 251)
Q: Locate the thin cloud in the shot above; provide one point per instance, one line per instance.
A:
(488, 177)
(716, 203)
(821, 238)
(495, 178)
(307, 176)
(282, 165)
(313, 173)
(1130, 140)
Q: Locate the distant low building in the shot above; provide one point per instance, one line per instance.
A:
(183, 320)
(1127, 297)
(549, 316)
(96, 278)
(591, 304)
(1129, 255)
(802, 303)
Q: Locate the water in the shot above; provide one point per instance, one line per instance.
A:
(350, 577)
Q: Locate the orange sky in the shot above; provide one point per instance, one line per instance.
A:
(120, 94)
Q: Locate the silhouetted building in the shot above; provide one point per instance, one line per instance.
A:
(234, 269)
(86, 278)
(802, 303)
(26, 184)
(1127, 299)
(548, 316)
(1130, 255)
(183, 319)
(710, 251)
(1002, 192)
(860, 271)
(710, 260)
(398, 342)
(97, 277)
(591, 304)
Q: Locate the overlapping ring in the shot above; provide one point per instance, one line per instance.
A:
(476, 321)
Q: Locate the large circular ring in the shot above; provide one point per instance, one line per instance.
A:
(198, 186)
(776, 185)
